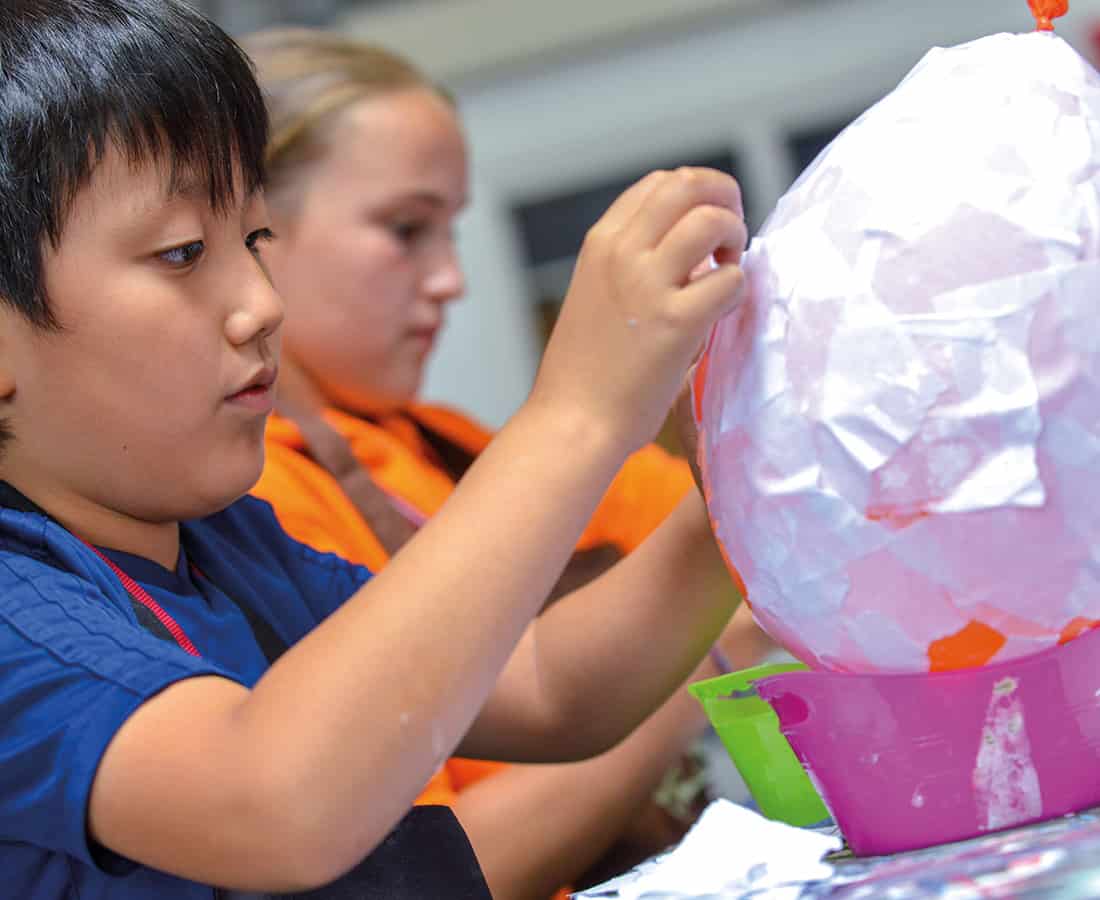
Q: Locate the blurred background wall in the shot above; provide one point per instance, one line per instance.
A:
(566, 102)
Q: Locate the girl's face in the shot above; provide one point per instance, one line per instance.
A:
(366, 258)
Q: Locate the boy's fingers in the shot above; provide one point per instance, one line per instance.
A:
(713, 296)
(677, 194)
(627, 204)
(705, 230)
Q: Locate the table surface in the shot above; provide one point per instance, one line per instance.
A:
(1049, 860)
(1055, 859)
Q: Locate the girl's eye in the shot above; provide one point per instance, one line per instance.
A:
(408, 232)
(257, 237)
(184, 255)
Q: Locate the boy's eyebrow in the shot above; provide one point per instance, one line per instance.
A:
(192, 186)
(147, 211)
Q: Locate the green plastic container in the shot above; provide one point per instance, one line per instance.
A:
(749, 730)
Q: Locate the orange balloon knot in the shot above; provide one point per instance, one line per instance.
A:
(1045, 11)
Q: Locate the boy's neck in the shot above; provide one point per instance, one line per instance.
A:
(107, 528)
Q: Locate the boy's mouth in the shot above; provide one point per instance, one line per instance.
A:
(258, 393)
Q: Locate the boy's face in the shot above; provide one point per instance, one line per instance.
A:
(151, 400)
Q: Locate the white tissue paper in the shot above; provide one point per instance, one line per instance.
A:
(730, 852)
(901, 441)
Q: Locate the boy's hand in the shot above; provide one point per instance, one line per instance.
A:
(635, 317)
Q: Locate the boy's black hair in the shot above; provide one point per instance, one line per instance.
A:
(163, 83)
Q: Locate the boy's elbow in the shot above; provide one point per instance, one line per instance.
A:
(307, 844)
(318, 859)
(301, 866)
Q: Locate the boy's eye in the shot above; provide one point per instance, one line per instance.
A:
(257, 237)
(184, 255)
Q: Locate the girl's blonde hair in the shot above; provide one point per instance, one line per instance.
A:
(309, 76)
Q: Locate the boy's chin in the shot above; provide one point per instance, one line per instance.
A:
(216, 495)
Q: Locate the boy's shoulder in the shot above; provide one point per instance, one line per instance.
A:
(245, 535)
(30, 539)
(243, 549)
(27, 529)
(63, 612)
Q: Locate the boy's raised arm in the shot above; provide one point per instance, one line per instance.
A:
(600, 668)
(291, 784)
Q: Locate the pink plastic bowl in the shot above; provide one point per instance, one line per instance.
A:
(909, 761)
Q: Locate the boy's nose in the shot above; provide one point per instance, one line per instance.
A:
(258, 312)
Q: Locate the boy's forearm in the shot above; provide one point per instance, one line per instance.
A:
(365, 724)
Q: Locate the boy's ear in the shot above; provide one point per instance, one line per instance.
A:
(7, 369)
(7, 381)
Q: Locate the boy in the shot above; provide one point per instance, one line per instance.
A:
(159, 737)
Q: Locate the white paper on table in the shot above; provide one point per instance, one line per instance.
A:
(730, 852)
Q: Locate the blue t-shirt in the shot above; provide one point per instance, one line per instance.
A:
(75, 663)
